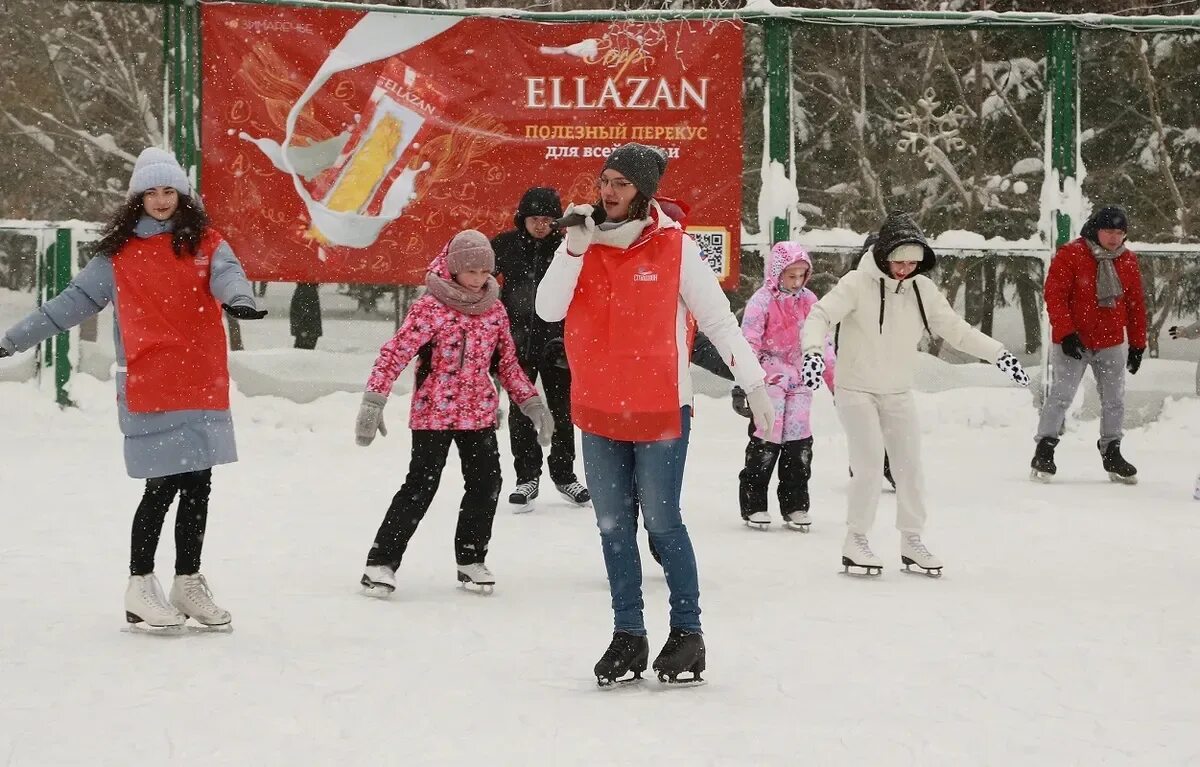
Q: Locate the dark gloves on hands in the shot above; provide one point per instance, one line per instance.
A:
(738, 395)
(1134, 361)
(1072, 346)
(4, 353)
(244, 312)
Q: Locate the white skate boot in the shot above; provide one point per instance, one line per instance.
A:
(192, 597)
(476, 577)
(1196, 488)
(378, 581)
(147, 610)
(759, 520)
(913, 552)
(856, 552)
(797, 520)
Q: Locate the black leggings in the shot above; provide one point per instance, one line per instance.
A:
(191, 519)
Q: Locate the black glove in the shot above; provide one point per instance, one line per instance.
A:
(738, 395)
(1134, 361)
(1072, 346)
(4, 353)
(244, 312)
(1173, 331)
(555, 353)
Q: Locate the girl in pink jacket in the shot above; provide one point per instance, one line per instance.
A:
(771, 323)
(455, 329)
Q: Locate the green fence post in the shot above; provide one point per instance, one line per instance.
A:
(62, 278)
(1064, 91)
(779, 106)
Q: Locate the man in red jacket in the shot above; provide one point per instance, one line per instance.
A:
(1095, 302)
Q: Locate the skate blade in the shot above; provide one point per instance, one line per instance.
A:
(375, 590)
(670, 682)
(139, 626)
(483, 589)
(757, 525)
(518, 508)
(608, 685)
(928, 572)
(1040, 476)
(798, 526)
(868, 571)
(573, 502)
(1115, 477)
(196, 627)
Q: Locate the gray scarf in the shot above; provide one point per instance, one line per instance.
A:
(457, 297)
(1108, 284)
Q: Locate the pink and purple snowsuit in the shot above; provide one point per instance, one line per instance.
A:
(772, 323)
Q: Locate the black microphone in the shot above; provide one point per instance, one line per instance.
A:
(575, 219)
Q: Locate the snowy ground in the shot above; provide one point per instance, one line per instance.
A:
(1063, 633)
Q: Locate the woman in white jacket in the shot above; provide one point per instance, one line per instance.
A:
(883, 308)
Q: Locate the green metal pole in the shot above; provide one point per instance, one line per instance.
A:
(779, 105)
(1062, 66)
(62, 278)
(195, 55)
(176, 78)
(188, 89)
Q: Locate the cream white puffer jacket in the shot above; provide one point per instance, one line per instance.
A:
(881, 327)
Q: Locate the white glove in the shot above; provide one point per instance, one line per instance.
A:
(1012, 366)
(812, 369)
(536, 411)
(370, 418)
(1186, 331)
(762, 410)
(579, 238)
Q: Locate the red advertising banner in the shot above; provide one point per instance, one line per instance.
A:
(345, 146)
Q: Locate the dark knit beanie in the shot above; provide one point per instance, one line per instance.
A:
(641, 164)
(1108, 217)
(540, 201)
(470, 249)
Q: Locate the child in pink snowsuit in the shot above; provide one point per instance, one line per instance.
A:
(455, 329)
(772, 323)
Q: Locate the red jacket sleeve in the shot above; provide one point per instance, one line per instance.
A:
(1057, 294)
(1135, 306)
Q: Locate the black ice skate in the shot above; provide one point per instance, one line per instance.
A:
(574, 492)
(522, 496)
(683, 653)
(1119, 470)
(626, 654)
(1042, 467)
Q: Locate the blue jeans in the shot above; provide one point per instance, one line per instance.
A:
(620, 475)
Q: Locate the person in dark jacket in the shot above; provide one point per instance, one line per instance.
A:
(305, 315)
(522, 256)
(1095, 302)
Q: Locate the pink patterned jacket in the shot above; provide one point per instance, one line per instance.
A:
(457, 393)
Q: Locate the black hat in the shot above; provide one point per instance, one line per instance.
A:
(1108, 217)
(538, 201)
(641, 164)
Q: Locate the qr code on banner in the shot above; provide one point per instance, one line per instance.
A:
(714, 246)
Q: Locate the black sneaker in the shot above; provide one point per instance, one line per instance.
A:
(523, 495)
(574, 492)
(1119, 470)
(1042, 466)
(626, 653)
(683, 653)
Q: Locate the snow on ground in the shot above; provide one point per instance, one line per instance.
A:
(1063, 633)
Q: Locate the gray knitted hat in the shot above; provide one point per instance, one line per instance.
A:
(641, 164)
(470, 249)
(157, 167)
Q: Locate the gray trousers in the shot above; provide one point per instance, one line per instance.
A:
(1108, 366)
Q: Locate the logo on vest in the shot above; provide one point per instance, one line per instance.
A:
(645, 274)
(201, 259)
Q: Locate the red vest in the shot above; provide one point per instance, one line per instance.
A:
(175, 347)
(621, 340)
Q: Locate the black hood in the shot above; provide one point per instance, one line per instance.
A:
(898, 229)
(1108, 217)
(538, 201)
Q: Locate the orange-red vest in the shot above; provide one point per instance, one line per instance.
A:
(175, 348)
(621, 340)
